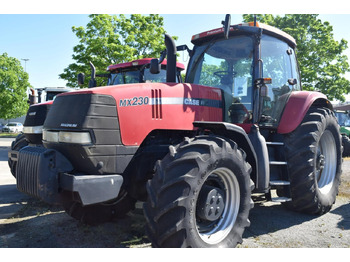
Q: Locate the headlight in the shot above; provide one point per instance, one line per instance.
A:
(67, 137)
(74, 137)
(50, 136)
(32, 129)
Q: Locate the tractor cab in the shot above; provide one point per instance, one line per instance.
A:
(255, 67)
(138, 71)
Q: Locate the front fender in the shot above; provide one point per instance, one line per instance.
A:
(296, 108)
(239, 136)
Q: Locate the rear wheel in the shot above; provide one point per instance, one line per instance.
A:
(102, 212)
(346, 145)
(16, 145)
(314, 162)
(200, 195)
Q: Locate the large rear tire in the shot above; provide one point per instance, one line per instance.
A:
(16, 145)
(314, 162)
(200, 195)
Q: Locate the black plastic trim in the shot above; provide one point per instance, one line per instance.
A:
(96, 114)
(36, 116)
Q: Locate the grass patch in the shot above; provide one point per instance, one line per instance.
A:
(8, 135)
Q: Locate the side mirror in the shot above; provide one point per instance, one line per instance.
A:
(184, 48)
(155, 66)
(261, 83)
(81, 78)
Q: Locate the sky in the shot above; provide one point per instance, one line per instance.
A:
(44, 35)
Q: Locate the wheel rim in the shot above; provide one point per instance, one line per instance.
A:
(326, 162)
(221, 185)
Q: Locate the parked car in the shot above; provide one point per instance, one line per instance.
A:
(13, 127)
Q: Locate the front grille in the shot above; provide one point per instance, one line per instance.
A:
(36, 114)
(27, 170)
(96, 114)
(82, 112)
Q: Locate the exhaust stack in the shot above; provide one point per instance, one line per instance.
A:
(171, 58)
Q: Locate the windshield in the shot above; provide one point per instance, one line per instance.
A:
(124, 78)
(155, 78)
(228, 65)
(131, 77)
(51, 95)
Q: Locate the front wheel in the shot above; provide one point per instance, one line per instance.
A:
(200, 195)
(314, 162)
(16, 145)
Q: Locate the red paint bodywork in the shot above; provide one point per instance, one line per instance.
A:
(166, 108)
(43, 103)
(171, 113)
(297, 106)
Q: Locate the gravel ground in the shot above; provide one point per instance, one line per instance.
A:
(26, 222)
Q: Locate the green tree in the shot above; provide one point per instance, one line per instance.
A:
(112, 39)
(321, 59)
(13, 88)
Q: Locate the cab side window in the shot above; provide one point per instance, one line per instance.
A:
(279, 63)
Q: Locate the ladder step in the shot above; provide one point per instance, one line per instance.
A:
(279, 183)
(281, 199)
(278, 163)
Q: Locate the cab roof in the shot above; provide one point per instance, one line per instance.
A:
(140, 62)
(267, 29)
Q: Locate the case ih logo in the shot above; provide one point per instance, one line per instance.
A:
(189, 101)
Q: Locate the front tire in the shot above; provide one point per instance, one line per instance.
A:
(16, 145)
(200, 195)
(314, 162)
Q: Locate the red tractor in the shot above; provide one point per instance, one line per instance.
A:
(193, 151)
(33, 123)
(136, 71)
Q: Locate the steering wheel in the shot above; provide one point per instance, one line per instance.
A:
(222, 74)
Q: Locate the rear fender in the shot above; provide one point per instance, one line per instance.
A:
(296, 108)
